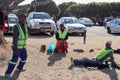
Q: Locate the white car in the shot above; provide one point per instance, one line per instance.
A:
(73, 25)
(86, 21)
(40, 22)
(12, 20)
(113, 26)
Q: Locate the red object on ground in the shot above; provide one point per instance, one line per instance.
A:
(61, 46)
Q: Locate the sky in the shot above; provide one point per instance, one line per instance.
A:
(77, 1)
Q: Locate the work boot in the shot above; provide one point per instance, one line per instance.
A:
(20, 70)
(72, 61)
(66, 51)
(8, 76)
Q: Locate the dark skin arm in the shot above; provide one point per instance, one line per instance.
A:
(112, 59)
(15, 39)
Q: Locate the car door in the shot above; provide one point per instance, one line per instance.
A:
(113, 25)
(117, 27)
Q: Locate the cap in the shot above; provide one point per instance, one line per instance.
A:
(109, 42)
(61, 25)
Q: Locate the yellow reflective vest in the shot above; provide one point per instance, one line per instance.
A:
(21, 43)
(104, 55)
(63, 34)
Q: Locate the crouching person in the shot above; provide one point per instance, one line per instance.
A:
(61, 36)
(101, 60)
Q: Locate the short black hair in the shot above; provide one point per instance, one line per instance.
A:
(22, 15)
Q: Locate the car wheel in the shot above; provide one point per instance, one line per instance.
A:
(108, 30)
(82, 34)
(51, 33)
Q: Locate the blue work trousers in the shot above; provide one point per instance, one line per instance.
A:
(22, 54)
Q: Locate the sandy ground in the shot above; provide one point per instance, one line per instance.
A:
(43, 66)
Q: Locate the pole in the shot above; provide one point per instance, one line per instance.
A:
(35, 6)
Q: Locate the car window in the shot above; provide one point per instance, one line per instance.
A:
(118, 22)
(71, 21)
(41, 16)
(113, 21)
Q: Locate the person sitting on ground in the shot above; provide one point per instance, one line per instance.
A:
(61, 36)
(101, 60)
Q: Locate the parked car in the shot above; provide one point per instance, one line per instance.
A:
(41, 22)
(107, 19)
(12, 20)
(72, 24)
(86, 21)
(113, 26)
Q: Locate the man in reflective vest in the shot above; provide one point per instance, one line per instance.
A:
(20, 36)
(61, 36)
(101, 60)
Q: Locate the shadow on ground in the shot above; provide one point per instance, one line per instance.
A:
(111, 72)
(14, 77)
(55, 57)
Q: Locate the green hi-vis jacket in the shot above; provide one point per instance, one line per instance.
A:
(22, 37)
(62, 35)
(104, 55)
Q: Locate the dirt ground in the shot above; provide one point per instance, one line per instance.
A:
(43, 66)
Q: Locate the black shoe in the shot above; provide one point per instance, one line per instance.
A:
(66, 51)
(72, 61)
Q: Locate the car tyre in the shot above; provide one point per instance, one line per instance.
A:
(108, 30)
(82, 34)
(51, 33)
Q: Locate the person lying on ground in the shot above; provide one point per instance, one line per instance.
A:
(101, 61)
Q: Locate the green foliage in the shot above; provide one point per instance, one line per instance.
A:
(92, 10)
(50, 8)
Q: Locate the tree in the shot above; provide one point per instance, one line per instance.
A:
(50, 8)
(63, 8)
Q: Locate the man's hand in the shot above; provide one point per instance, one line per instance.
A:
(15, 51)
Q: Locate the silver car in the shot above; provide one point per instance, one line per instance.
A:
(40, 22)
(113, 26)
(86, 21)
(12, 20)
(73, 25)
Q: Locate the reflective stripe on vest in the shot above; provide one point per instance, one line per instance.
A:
(104, 55)
(63, 34)
(22, 37)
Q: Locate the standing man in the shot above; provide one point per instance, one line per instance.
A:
(20, 36)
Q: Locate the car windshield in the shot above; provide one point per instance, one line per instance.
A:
(13, 20)
(41, 16)
(71, 21)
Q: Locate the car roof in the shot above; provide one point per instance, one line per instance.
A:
(38, 13)
(69, 17)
